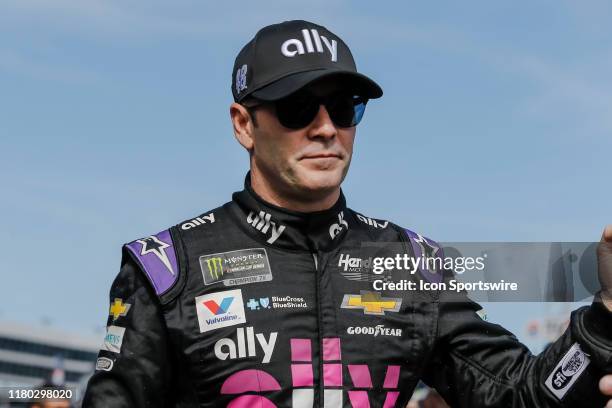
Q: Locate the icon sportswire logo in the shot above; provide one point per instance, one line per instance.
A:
(220, 309)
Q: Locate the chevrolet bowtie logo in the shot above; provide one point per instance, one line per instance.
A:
(371, 303)
(118, 309)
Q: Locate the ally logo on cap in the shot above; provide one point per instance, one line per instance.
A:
(294, 46)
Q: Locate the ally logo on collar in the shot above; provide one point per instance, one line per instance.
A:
(262, 222)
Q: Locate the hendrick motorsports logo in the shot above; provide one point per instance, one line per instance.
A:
(354, 264)
(378, 330)
(372, 303)
(236, 267)
(359, 269)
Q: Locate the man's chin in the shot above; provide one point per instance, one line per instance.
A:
(318, 180)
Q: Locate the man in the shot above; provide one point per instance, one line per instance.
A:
(50, 402)
(268, 300)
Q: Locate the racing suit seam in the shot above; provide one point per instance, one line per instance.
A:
(140, 268)
(319, 328)
(331, 283)
(160, 315)
(177, 286)
(170, 351)
(587, 336)
(181, 280)
(482, 370)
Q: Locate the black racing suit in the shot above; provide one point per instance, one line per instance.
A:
(251, 305)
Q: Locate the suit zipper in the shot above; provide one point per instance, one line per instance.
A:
(319, 334)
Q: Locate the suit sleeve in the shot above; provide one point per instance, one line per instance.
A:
(480, 364)
(134, 367)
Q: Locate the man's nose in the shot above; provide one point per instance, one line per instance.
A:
(322, 126)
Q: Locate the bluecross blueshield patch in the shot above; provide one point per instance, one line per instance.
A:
(236, 267)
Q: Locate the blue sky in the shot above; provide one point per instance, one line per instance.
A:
(495, 125)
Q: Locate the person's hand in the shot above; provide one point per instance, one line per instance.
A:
(605, 386)
(604, 261)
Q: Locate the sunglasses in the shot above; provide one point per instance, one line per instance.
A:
(298, 110)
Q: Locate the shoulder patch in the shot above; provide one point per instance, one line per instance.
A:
(157, 257)
(567, 371)
(424, 248)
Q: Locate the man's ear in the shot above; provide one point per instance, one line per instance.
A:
(242, 123)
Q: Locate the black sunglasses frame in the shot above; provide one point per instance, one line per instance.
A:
(283, 112)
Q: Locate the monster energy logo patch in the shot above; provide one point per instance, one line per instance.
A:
(236, 267)
(215, 267)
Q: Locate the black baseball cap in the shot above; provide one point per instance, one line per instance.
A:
(283, 58)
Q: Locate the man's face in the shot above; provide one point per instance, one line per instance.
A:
(303, 162)
(52, 404)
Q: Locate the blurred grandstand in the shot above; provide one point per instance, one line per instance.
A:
(33, 355)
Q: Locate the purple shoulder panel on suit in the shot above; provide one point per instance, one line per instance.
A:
(157, 257)
(425, 248)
